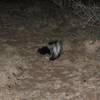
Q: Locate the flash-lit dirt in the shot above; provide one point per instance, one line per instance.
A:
(27, 75)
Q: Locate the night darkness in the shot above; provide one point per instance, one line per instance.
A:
(49, 50)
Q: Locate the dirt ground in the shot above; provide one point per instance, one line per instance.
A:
(27, 75)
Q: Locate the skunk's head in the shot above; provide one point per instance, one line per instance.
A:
(55, 48)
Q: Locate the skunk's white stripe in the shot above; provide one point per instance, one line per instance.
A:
(55, 49)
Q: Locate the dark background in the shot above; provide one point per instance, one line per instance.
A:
(87, 2)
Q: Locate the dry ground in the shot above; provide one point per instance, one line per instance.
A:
(27, 75)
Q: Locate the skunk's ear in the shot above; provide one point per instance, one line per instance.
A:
(44, 50)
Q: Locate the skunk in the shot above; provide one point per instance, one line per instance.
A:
(53, 49)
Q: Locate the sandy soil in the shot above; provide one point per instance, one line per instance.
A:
(27, 75)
